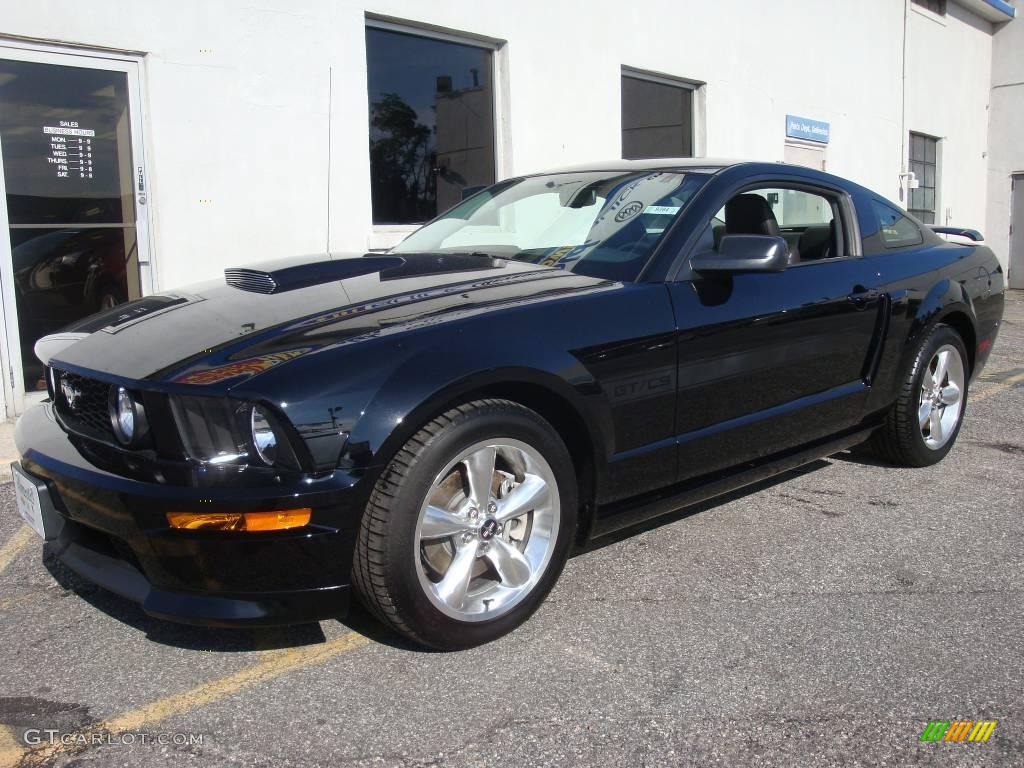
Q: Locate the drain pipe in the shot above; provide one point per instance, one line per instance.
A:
(904, 174)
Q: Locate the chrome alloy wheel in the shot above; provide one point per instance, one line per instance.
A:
(487, 530)
(942, 394)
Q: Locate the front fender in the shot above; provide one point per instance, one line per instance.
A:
(439, 375)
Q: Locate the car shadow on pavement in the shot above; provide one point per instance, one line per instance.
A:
(365, 623)
(673, 517)
(861, 456)
(209, 639)
(220, 639)
(234, 640)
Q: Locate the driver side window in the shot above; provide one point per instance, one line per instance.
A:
(807, 221)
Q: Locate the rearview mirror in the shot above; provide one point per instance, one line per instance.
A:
(744, 253)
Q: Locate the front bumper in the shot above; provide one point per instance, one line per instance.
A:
(115, 534)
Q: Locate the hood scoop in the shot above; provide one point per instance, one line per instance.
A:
(289, 274)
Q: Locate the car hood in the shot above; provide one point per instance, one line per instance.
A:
(215, 334)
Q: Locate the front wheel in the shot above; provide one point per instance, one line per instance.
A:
(925, 420)
(468, 527)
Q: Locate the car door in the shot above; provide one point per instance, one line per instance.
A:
(771, 360)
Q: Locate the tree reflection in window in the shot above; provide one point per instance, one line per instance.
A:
(402, 162)
(431, 125)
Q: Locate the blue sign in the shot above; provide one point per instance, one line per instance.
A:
(805, 128)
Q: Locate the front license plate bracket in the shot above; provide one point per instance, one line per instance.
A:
(35, 506)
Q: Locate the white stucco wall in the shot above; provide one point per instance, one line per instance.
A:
(246, 125)
(1006, 147)
(947, 59)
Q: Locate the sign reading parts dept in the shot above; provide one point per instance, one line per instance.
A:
(807, 129)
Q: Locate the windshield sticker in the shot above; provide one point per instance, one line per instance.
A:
(663, 210)
(629, 211)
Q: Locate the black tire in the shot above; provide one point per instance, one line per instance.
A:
(384, 571)
(900, 440)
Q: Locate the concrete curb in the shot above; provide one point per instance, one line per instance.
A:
(8, 452)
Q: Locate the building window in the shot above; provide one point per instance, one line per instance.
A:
(924, 166)
(935, 6)
(657, 118)
(431, 123)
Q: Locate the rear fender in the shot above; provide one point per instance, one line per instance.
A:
(946, 298)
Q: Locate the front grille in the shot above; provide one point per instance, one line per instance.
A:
(82, 404)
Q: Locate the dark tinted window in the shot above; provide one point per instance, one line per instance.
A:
(657, 119)
(65, 144)
(924, 165)
(895, 229)
(935, 6)
(431, 124)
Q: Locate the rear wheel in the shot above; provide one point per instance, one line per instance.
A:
(925, 421)
(469, 526)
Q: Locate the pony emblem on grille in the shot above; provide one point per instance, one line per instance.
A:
(71, 393)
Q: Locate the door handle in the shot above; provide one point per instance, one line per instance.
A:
(861, 297)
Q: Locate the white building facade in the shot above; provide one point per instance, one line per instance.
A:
(1006, 151)
(148, 145)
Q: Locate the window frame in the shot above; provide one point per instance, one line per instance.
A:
(843, 205)
(697, 88)
(936, 165)
(384, 236)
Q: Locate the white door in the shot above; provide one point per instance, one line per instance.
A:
(74, 234)
(1016, 274)
(811, 156)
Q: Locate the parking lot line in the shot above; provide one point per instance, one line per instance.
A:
(270, 666)
(7, 602)
(997, 388)
(17, 542)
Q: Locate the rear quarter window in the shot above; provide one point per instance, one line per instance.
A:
(895, 229)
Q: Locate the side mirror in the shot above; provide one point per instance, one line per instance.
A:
(744, 253)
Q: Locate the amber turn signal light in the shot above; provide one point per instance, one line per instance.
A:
(278, 520)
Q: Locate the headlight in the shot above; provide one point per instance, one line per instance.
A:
(124, 415)
(264, 439)
(219, 430)
(127, 416)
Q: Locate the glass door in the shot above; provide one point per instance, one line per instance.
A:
(74, 190)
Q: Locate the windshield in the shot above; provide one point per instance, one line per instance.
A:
(604, 224)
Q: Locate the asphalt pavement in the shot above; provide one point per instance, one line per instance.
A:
(823, 618)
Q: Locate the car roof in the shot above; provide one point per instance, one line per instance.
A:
(708, 165)
(705, 164)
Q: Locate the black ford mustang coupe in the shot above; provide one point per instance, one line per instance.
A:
(556, 357)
